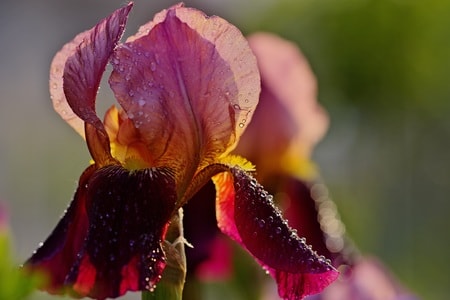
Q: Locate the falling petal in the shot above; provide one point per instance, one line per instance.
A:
(314, 215)
(109, 241)
(59, 252)
(246, 213)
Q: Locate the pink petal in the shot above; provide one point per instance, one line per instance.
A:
(246, 213)
(76, 70)
(190, 84)
(368, 279)
(288, 113)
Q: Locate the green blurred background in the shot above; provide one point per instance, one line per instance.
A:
(383, 68)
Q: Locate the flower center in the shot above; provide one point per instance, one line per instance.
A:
(126, 143)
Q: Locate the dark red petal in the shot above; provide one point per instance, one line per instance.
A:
(200, 226)
(313, 214)
(127, 216)
(84, 68)
(59, 252)
(247, 214)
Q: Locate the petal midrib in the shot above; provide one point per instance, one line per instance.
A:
(195, 137)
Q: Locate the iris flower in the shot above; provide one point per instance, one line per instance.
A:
(287, 124)
(187, 85)
(289, 99)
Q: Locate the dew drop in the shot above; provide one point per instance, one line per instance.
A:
(153, 66)
(241, 125)
(278, 230)
(141, 102)
(261, 223)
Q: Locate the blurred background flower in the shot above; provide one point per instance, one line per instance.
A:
(382, 68)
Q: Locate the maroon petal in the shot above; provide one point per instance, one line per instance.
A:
(314, 215)
(126, 215)
(86, 63)
(190, 84)
(200, 226)
(57, 255)
(245, 211)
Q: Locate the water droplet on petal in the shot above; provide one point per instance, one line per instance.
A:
(278, 230)
(261, 223)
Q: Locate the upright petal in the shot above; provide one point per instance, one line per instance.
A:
(109, 242)
(246, 213)
(190, 84)
(288, 112)
(82, 87)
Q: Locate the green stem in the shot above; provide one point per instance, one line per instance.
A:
(172, 281)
